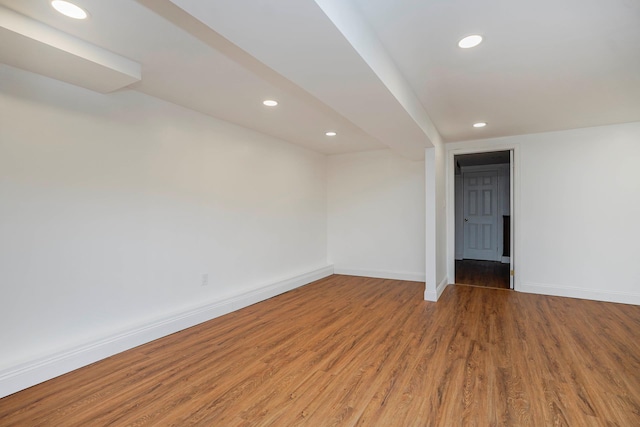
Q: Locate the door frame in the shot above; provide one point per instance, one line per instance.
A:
(514, 279)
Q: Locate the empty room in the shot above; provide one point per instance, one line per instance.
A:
(319, 212)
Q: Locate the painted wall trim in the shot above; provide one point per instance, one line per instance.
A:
(379, 274)
(36, 371)
(433, 296)
(581, 293)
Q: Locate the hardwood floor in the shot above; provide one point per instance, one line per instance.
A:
(350, 351)
(490, 274)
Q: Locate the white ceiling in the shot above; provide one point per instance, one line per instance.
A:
(544, 64)
(382, 73)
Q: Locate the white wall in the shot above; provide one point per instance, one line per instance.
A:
(436, 221)
(114, 206)
(376, 205)
(578, 215)
(459, 217)
(441, 278)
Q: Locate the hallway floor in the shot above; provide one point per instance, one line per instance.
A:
(488, 274)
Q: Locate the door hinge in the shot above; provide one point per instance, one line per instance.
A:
(512, 272)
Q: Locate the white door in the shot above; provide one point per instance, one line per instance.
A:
(480, 200)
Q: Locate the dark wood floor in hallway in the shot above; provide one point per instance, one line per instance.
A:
(347, 351)
(489, 274)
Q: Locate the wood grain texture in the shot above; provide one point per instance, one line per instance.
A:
(351, 351)
(490, 274)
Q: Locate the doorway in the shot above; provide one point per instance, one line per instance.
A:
(483, 213)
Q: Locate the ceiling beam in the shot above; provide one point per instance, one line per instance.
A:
(296, 39)
(348, 19)
(36, 47)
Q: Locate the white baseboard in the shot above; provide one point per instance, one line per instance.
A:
(573, 292)
(36, 371)
(378, 274)
(506, 260)
(434, 295)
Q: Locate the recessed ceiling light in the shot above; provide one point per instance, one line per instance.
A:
(270, 103)
(69, 9)
(479, 125)
(330, 133)
(470, 41)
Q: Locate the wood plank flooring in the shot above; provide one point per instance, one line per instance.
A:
(350, 351)
(490, 274)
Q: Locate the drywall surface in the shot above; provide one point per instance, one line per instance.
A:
(579, 197)
(376, 215)
(435, 222)
(120, 209)
(441, 218)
